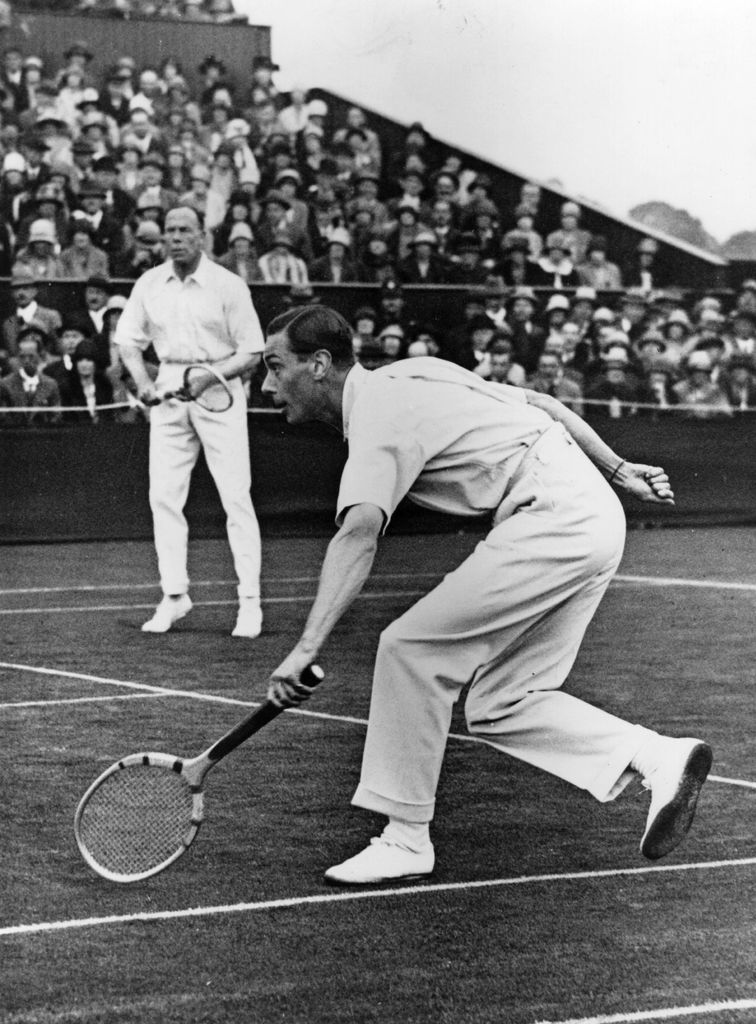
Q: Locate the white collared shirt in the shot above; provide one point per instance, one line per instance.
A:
(434, 432)
(207, 317)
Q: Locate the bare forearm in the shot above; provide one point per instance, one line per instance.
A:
(585, 436)
(345, 569)
(133, 360)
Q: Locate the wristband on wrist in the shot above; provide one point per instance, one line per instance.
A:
(616, 470)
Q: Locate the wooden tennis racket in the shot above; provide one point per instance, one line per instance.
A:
(145, 810)
(204, 385)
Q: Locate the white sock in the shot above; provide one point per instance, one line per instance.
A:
(409, 835)
(646, 759)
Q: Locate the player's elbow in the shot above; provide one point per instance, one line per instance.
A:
(363, 523)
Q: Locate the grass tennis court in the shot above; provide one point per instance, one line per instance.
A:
(540, 908)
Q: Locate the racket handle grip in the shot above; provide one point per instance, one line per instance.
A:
(311, 676)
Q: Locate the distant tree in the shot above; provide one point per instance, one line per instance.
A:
(679, 223)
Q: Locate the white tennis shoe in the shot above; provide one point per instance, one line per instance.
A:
(382, 861)
(249, 619)
(675, 779)
(167, 613)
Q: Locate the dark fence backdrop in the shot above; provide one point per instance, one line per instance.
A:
(90, 483)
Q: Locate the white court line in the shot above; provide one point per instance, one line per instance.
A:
(94, 587)
(373, 595)
(651, 581)
(668, 1013)
(363, 894)
(214, 698)
(78, 700)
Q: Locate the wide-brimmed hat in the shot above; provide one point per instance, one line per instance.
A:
(42, 230)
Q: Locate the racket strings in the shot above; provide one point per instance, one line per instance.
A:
(136, 819)
(215, 398)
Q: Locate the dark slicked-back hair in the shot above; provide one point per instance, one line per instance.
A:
(312, 328)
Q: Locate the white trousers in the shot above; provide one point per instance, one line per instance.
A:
(177, 432)
(509, 622)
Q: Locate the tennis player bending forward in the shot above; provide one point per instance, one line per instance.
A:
(508, 621)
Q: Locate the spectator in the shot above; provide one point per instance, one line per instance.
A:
(442, 224)
(741, 335)
(415, 148)
(423, 265)
(49, 204)
(677, 330)
(152, 171)
(76, 327)
(210, 207)
(527, 337)
(24, 291)
(114, 101)
(467, 267)
(400, 237)
(279, 264)
(702, 397)
(355, 118)
(494, 296)
(88, 387)
(146, 251)
(337, 266)
(27, 386)
(106, 229)
(497, 363)
(615, 388)
(239, 211)
(524, 228)
(364, 323)
(573, 235)
(515, 267)
(412, 188)
(556, 269)
(656, 387)
(485, 227)
(597, 272)
(634, 312)
(584, 303)
(470, 346)
(643, 272)
(38, 255)
(118, 203)
(550, 379)
(555, 315)
(82, 257)
(242, 257)
(366, 196)
(739, 383)
(288, 181)
(393, 305)
(273, 222)
(263, 88)
(97, 290)
(140, 130)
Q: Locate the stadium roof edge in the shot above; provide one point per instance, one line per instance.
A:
(642, 229)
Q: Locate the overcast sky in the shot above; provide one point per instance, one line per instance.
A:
(622, 101)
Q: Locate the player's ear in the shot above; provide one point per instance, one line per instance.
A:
(321, 362)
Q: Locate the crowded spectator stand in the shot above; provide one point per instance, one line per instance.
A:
(310, 198)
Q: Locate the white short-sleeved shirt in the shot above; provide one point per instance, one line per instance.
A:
(429, 430)
(204, 318)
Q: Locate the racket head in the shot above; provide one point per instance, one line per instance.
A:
(138, 817)
(216, 397)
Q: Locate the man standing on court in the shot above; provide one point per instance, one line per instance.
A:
(508, 621)
(193, 311)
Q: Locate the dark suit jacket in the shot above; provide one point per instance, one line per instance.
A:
(12, 395)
